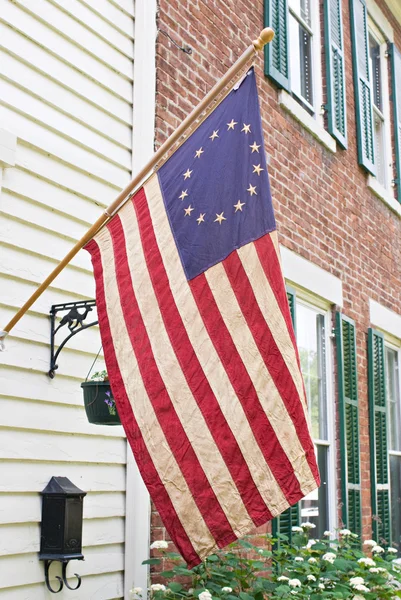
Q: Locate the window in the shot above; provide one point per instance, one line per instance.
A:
(394, 430)
(301, 51)
(378, 67)
(312, 345)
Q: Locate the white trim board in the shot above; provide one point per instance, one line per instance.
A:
(385, 319)
(8, 148)
(309, 276)
(137, 512)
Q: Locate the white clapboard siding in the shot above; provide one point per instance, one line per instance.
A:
(108, 586)
(66, 94)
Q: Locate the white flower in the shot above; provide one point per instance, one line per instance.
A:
(312, 560)
(361, 588)
(311, 578)
(321, 586)
(136, 591)
(206, 595)
(330, 557)
(282, 578)
(345, 532)
(308, 525)
(367, 562)
(392, 550)
(377, 549)
(369, 543)
(191, 591)
(356, 581)
(228, 590)
(260, 550)
(299, 559)
(382, 570)
(294, 592)
(294, 583)
(327, 533)
(297, 529)
(357, 597)
(311, 543)
(158, 545)
(374, 570)
(158, 587)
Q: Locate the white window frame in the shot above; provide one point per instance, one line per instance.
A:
(324, 307)
(385, 115)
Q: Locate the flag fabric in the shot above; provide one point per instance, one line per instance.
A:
(198, 339)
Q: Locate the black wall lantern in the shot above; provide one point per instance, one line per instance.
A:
(61, 532)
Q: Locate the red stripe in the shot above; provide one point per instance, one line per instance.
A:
(142, 457)
(169, 421)
(193, 372)
(264, 433)
(271, 266)
(270, 353)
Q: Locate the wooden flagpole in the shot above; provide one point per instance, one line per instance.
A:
(264, 38)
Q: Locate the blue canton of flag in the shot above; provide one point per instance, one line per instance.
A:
(216, 187)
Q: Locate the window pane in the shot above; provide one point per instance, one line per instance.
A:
(393, 399)
(314, 507)
(311, 345)
(301, 60)
(380, 148)
(395, 482)
(302, 9)
(374, 56)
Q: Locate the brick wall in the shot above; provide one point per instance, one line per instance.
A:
(324, 209)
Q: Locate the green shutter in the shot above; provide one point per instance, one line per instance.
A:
(276, 53)
(335, 70)
(362, 85)
(379, 475)
(291, 517)
(349, 423)
(396, 96)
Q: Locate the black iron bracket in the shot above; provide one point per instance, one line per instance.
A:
(73, 320)
(63, 579)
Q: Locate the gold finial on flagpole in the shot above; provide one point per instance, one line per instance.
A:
(266, 36)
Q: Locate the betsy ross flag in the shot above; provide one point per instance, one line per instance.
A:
(198, 339)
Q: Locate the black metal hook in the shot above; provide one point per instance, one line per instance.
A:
(62, 580)
(64, 573)
(186, 49)
(49, 587)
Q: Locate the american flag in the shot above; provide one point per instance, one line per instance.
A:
(198, 339)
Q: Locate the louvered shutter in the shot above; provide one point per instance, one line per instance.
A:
(362, 85)
(276, 53)
(290, 517)
(336, 99)
(379, 471)
(349, 423)
(396, 95)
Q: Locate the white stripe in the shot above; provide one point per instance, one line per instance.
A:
(171, 372)
(153, 436)
(208, 357)
(268, 394)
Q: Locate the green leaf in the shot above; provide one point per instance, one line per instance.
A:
(151, 561)
(245, 596)
(212, 558)
(175, 587)
(168, 574)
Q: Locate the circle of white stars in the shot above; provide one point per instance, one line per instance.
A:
(252, 189)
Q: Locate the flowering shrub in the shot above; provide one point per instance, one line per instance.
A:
(100, 376)
(307, 569)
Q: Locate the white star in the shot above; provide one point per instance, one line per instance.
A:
(239, 206)
(246, 128)
(232, 124)
(220, 218)
(257, 169)
(183, 194)
(214, 135)
(252, 190)
(201, 219)
(188, 211)
(187, 174)
(198, 153)
(255, 147)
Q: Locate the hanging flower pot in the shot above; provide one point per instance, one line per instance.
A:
(99, 403)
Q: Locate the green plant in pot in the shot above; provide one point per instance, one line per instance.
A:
(99, 403)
